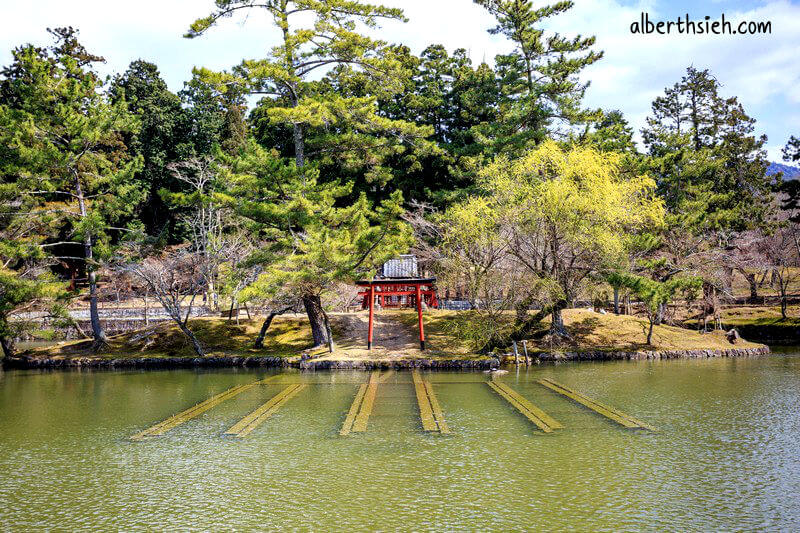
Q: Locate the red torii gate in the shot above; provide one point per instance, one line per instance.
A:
(398, 293)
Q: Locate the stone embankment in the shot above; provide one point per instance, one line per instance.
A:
(607, 355)
(27, 361)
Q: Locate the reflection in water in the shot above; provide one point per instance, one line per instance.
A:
(727, 453)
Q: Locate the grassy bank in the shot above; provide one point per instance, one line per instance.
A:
(288, 337)
(595, 331)
(761, 316)
(395, 338)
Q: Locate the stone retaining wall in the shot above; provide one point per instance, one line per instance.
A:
(643, 355)
(440, 364)
(24, 361)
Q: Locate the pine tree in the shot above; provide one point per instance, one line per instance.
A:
(308, 241)
(710, 167)
(539, 80)
(352, 126)
(65, 138)
(329, 41)
(165, 137)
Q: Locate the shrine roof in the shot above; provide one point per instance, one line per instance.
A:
(395, 281)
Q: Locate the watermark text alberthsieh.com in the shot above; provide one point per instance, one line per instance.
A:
(685, 25)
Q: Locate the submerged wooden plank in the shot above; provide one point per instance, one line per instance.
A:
(362, 419)
(609, 412)
(386, 376)
(246, 425)
(522, 408)
(423, 400)
(438, 415)
(524, 402)
(351, 414)
(184, 416)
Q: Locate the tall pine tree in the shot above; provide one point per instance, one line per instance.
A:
(65, 138)
(539, 79)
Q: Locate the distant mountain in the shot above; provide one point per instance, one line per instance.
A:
(789, 173)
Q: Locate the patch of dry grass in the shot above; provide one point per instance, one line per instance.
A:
(290, 335)
(761, 316)
(595, 331)
(287, 337)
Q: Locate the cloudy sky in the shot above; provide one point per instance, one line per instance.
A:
(762, 70)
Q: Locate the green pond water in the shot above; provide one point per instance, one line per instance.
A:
(726, 456)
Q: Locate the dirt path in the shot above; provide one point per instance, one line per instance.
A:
(391, 338)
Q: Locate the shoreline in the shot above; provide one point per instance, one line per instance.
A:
(24, 362)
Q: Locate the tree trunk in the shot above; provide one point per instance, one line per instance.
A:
(8, 346)
(728, 279)
(100, 339)
(316, 317)
(328, 331)
(783, 289)
(146, 318)
(616, 300)
(264, 327)
(299, 146)
(196, 346)
(650, 332)
(751, 280)
(212, 294)
(557, 326)
(267, 323)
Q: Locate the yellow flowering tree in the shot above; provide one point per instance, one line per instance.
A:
(568, 213)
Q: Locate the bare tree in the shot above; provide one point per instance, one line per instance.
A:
(746, 256)
(782, 249)
(207, 221)
(173, 278)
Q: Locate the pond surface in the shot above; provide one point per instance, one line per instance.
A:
(726, 456)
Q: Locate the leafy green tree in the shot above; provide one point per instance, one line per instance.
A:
(791, 188)
(539, 79)
(26, 283)
(449, 95)
(568, 214)
(655, 295)
(165, 137)
(709, 165)
(442, 93)
(612, 133)
(317, 36)
(65, 141)
(310, 243)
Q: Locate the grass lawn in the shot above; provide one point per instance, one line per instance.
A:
(595, 331)
(396, 337)
(761, 316)
(287, 337)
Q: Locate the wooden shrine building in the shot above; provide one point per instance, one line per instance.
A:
(398, 286)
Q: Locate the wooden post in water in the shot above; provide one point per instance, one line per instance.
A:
(516, 354)
(525, 349)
